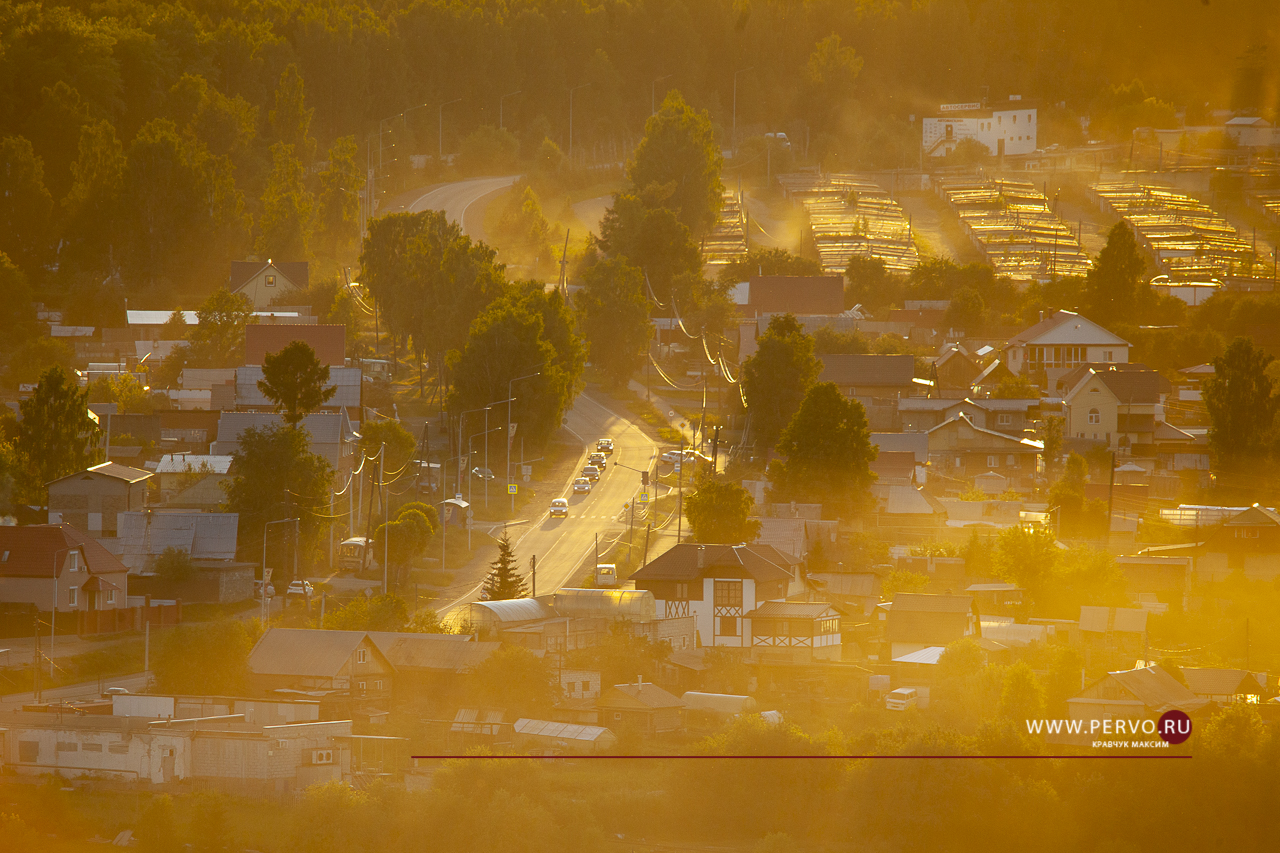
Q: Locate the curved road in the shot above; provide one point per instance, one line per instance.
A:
(463, 202)
(561, 544)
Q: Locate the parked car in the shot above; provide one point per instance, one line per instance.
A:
(606, 575)
(299, 588)
(482, 473)
(605, 445)
(673, 456)
(779, 139)
(559, 508)
(596, 459)
(591, 472)
(115, 691)
(900, 699)
(581, 485)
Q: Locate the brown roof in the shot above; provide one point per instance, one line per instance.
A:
(934, 620)
(441, 652)
(761, 562)
(297, 272)
(329, 342)
(792, 610)
(111, 469)
(796, 294)
(1157, 689)
(304, 652)
(644, 696)
(1211, 681)
(30, 552)
(868, 370)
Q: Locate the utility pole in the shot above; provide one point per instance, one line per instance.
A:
(386, 516)
(680, 491)
(533, 576)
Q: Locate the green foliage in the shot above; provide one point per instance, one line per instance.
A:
(767, 261)
(621, 655)
(900, 580)
(1112, 288)
(488, 150)
(25, 203)
(56, 436)
(210, 658)
(827, 341)
(404, 539)
(826, 454)
(284, 228)
(614, 316)
(638, 228)
(517, 680)
(174, 565)
(400, 443)
(125, 390)
(679, 147)
(777, 377)
(719, 512)
(504, 581)
(383, 612)
(157, 830)
(523, 233)
(296, 381)
(217, 340)
(1022, 697)
(1077, 516)
(1241, 405)
(864, 551)
(338, 202)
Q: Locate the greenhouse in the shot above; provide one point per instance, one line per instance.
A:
(545, 735)
(633, 605)
(494, 615)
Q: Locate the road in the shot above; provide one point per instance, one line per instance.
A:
(135, 683)
(463, 202)
(560, 544)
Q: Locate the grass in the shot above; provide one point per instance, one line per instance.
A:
(120, 657)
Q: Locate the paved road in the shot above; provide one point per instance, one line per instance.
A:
(561, 544)
(135, 683)
(463, 202)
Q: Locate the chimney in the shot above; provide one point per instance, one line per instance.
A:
(1041, 316)
(702, 557)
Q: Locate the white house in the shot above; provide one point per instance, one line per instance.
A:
(1059, 344)
(1005, 127)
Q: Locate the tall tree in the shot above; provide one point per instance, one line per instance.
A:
(614, 316)
(1112, 285)
(829, 79)
(826, 453)
(284, 228)
(1242, 408)
(92, 203)
(679, 147)
(776, 378)
(217, 339)
(504, 581)
(653, 240)
(25, 205)
(719, 512)
(290, 118)
(339, 201)
(296, 381)
(56, 435)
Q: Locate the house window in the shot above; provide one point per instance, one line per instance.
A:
(377, 685)
(73, 597)
(1011, 460)
(4, 558)
(993, 462)
(617, 715)
(362, 656)
(682, 592)
(75, 558)
(1004, 420)
(728, 594)
(111, 596)
(361, 685)
(959, 461)
(1247, 533)
(1015, 119)
(1095, 417)
(1106, 355)
(728, 626)
(271, 281)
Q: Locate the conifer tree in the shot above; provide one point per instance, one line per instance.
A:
(503, 583)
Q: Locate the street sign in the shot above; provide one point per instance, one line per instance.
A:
(470, 513)
(644, 497)
(512, 488)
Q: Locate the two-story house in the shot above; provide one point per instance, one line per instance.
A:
(917, 621)
(1118, 405)
(90, 500)
(310, 660)
(1060, 343)
(716, 584)
(962, 450)
(48, 565)
(266, 283)
(1246, 544)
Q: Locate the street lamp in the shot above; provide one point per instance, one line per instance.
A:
(265, 579)
(53, 616)
(735, 107)
(510, 399)
(486, 443)
(441, 141)
(653, 92)
(501, 125)
(462, 429)
(571, 91)
(471, 477)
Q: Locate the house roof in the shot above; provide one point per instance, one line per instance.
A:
(111, 469)
(324, 427)
(848, 583)
(329, 341)
(304, 652)
(517, 610)
(158, 318)
(1100, 620)
(242, 271)
(792, 610)
(203, 535)
(929, 619)
(954, 351)
(1254, 516)
(1026, 443)
(191, 463)
(909, 500)
(31, 551)
(1128, 386)
(1168, 432)
(868, 370)
(928, 655)
(643, 696)
(441, 652)
(992, 373)
(760, 562)
(1213, 681)
(1066, 327)
(916, 443)
(796, 294)
(1157, 689)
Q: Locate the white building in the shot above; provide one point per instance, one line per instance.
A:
(1005, 127)
(1059, 344)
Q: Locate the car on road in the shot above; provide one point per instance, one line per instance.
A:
(115, 691)
(257, 590)
(559, 508)
(597, 459)
(672, 456)
(605, 445)
(482, 473)
(591, 472)
(581, 485)
(606, 575)
(299, 588)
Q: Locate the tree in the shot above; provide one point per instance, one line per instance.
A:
(1050, 432)
(338, 205)
(174, 565)
(488, 150)
(827, 453)
(383, 612)
(35, 356)
(719, 512)
(776, 378)
(18, 321)
(1028, 557)
(284, 228)
(210, 658)
(830, 74)
(517, 680)
(653, 240)
(1241, 407)
(277, 477)
(621, 655)
(1076, 515)
(1018, 387)
(217, 339)
(614, 316)
(1022, 697)
(901, 580)
(767, 261)
(1111, 287)
(125, 390)
(402, 540)
(523, 232)
(504, 582)
(399, 442)
(56, 435)
(290, 118)
(25, 204)
(93, 201)
(679, 146)
(296, 381)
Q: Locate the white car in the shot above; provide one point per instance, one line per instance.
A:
(672, 456)
(605, 445)
(299, 588)
(597, 459)
(559, 508)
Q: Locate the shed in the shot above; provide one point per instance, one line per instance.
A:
(548, 736)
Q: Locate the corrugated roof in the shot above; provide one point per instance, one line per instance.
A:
(203, 535)
(928, 655)
(867, 370)
(344, 380)
(848, 583)
(646, 694)
(190, 463)
(1100, 620)
(928, 619)
(962, 417)
(325, 427)
(440, 652)
(1211, 681)
(562, 731)
(516, 610)
(33, 550)
(920, 602)
(718, 703)
(1090, 331)
(916, 443)
(157, 318)
(111, 469)
(1158, 690)
(328, 341)
(909, 500)
(1254, 516)
(761, 562)
(304, 652)
(792, 610)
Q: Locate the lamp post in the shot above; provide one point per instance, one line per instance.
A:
(511, 399)
(735, 107)
(471, 476)
(571, 91)
(462, 429)
(441, 140)
(501, 125)
(653, 93)
(486, 442)
(53, 616)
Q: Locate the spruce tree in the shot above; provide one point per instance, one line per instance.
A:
(503, 583)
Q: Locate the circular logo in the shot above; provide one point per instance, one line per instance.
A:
(1174, 727)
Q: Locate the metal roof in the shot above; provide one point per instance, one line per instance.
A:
(718, 703)
(870, 370)
(32, 551)
(634, 605)
(304, 651)
(792, 610)
(928, 655)
(513, 610)
(1157, 689)
(203, 535)
(191, 463)
(111, 469)
(345, 381)
(442, 652)
(158, 318)
(564, 731)
(680, 562)
(1212, 681)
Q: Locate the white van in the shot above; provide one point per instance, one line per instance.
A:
(606, 575)
(900, 699)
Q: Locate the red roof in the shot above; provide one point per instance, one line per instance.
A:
(31, 552)
(329, 342)
(796, 294)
